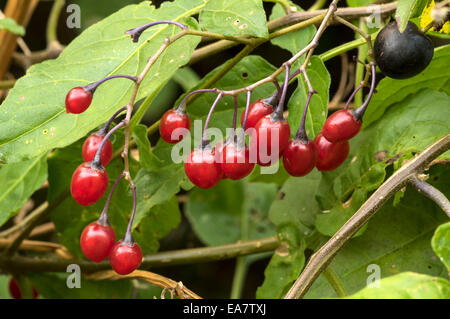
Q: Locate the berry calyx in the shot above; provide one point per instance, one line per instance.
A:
(89, 183)
(270, 138)
(125, 257)
(172, 120)
(14, 290)
(202, 169)
(235, 161)
(91, 145)
(257, 110)
(300, 157)
(97, 241)
(330, 155)
(78, 100)
(402, 55)
(341, 126)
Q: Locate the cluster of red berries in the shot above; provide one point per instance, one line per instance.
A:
(88, 185)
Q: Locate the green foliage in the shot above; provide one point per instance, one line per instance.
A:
(4, 291)
(407, 285)
(147, 159)
(18, 182)
(408, 9)
(441, 243)
(11, 26)
(234, 17)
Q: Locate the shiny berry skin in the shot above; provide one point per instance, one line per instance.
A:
(256, 111)
(330, 155)
(14, 290)
(97, 241)
(91, 145)
(78, 100)
(402, 55)
(299, 158)
(202, 169)
(172, 120)
(236, 161)
(89, 184)
(125, 258)
(262, 142)
(341, 126)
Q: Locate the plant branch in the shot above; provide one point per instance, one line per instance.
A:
(322, 258)
(7, 84)
(431, 192)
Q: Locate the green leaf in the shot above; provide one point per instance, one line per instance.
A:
(54, 286)
(4, 290)
(436, 76)
(215, 214)
(278, 178)
(294, 215)
(441, 243)
(408, 9)
(34, 120)
(234, 17)
(147, 159)
(358, 3)
(186, 77)
(318, 107)
(11, 26)
(19, 182)
(397, 239)
(407, 285)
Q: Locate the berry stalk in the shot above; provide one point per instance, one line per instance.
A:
(93, 86)
(208, 118)
(135, 33)
(103, 219)
(105, 128)
(249, 97)
(96, 159)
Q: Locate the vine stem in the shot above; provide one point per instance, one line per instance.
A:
(323, 257)
(431, 192)
(334, 281)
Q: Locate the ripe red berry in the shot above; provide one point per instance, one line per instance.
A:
(271, 136)
(256, 111)
(202, 168)
(78, 100)
(14, 290)
(172, 120)
(89, 184)
(341, 126)
(97, 241)
(299, 158)
(125, 257)
(91, 145)
(330, 155)
(236, 161)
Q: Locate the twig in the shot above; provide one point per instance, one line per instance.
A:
(431, 192)
(322, 258)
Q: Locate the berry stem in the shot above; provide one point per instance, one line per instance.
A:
(249, 97)
(128, 238)
(182, 106)
(136, 32)
(208, 118)
(279, 110)
(350, 99)
(105, 128)
(93, 86)
(97, 161)
(359, 112)
(235, 113)
(103, 219)
(301, 133)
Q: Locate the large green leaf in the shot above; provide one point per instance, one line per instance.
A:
(33, 115)
(407, 285)
(405, 129)
(147, 159)
(436, 76)
(18, 183)
(408, 9)
(397, 239)
(216, 214)
(234, 17)
(294, 214)
(441, 243)
(11, 26)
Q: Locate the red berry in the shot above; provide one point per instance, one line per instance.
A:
(202, 168)
(91, 145)
(256, 111)
(330, 155)
(299, 158)
(78, 100)
(14, 290)
(125, 258)
(97, 241)
(236, 161)
(88, 184)
(262, 142)
(172, 120)
(341, 126)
